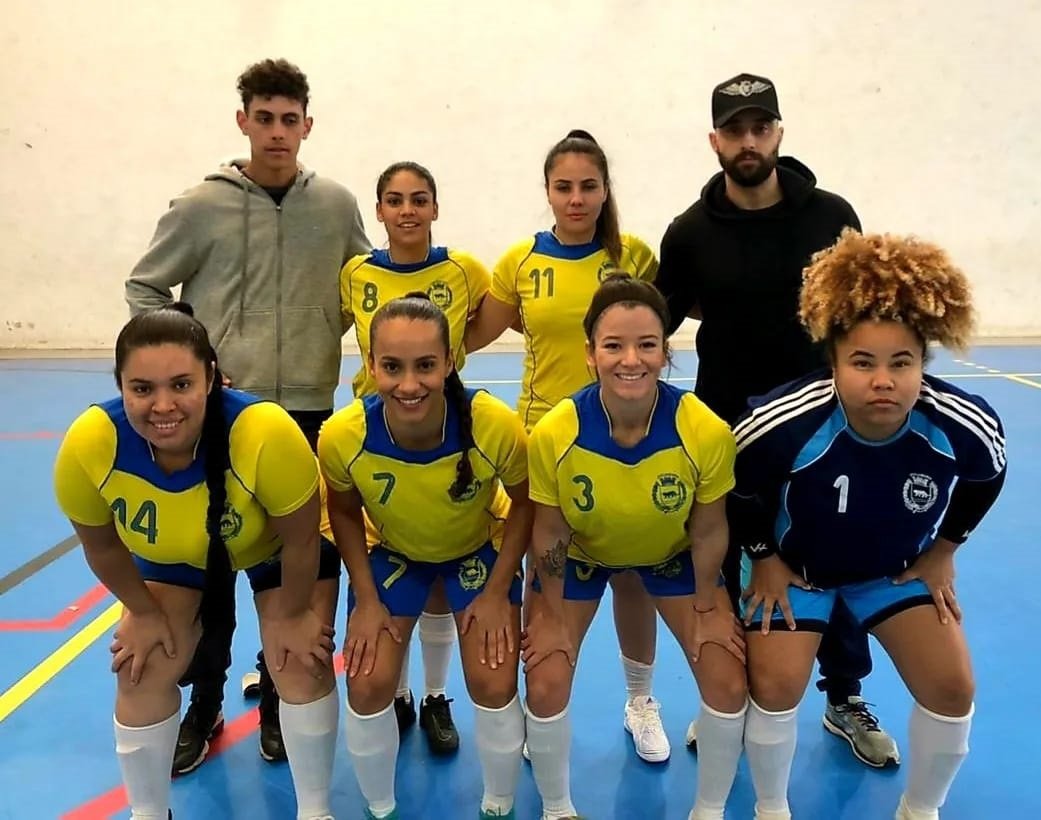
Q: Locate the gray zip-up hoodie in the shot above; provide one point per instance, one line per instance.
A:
(263, 279)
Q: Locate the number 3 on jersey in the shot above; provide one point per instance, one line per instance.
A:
(584, 501)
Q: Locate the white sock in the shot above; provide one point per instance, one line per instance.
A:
(720, 742)
(309, 733)
(549, 747)
(637, 677)
(770, 744)
(939, 744)
(145, 755)
(372, 741)
(403, 687)
(436, 636)
(500, 735)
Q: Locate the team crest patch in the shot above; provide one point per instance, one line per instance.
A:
(230, 523)
(440, 294)
(920, 492)
(469, 492)
(605, 269)
(669, 493)
(473, 573)
(668, 569)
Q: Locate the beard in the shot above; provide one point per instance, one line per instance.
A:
(749, 176)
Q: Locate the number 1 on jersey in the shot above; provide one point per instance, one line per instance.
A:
(536, 276)
(842, 485)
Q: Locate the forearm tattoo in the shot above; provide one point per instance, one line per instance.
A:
(552, 562)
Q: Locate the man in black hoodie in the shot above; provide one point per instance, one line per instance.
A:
(734, 260)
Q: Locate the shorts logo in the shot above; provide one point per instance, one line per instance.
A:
(583, 571)
(469, 492)
(920, 492)
(230, 523)
(473, 573)
(440, 294)
(669, 493)
(668, 569)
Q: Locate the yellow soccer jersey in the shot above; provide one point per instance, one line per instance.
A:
(405, 492)
(454, 280)
(629, 506)
(105, 472)
(552, 285)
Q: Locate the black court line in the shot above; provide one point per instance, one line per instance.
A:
(30, 568)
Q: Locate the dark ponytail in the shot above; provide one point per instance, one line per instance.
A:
(177, 325)
(417, 306)
(607, 228)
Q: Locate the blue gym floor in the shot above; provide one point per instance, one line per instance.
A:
(56, 746)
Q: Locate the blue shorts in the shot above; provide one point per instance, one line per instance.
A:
(871, 602)
(262, 577)
(404, 585)
(587, 582)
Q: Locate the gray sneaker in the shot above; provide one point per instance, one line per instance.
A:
(854, 722)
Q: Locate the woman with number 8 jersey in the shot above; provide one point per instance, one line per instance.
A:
(542, 287)
(434, 467)
(406, 205)
(178, 478)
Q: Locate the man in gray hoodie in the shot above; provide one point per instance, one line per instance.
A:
(257, 249)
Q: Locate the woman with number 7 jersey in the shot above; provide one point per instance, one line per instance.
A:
(542, 287)
(435, 468)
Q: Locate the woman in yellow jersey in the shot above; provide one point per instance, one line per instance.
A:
(406, 204)
(427, 461)
(542, 286)
(632, 473)
(179, 477)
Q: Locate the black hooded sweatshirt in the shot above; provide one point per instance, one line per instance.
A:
(743, 269)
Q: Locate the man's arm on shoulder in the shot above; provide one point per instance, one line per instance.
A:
(172, 258)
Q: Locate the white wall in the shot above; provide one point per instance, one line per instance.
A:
(925, 115)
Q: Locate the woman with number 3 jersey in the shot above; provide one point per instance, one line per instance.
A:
(542, 286)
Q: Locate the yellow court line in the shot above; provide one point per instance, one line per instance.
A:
(1021, 380)
(29, 685)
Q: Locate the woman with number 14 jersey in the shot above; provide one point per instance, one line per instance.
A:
(542, 286)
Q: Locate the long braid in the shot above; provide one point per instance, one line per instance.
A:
(217, 460)
(464, 470)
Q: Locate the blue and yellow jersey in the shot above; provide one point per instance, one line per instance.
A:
(843, 509)
(552, 284)
(105, 472)
(454, 280)
(405, 492)
(629, 506)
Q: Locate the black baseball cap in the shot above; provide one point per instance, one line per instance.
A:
(741, 93)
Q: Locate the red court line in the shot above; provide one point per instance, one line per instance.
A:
(115, 800)
(31, 436)
(69, 615)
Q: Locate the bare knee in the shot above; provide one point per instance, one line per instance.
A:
(949, 692)
(490, 688)
(369, 694)
(548, 686)
(775, 692)
(726, 691)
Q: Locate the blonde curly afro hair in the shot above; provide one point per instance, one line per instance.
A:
(886, 277)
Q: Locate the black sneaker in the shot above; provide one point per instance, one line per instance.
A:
(405, 711)
(199, 726)
(272, 749)
(435, 718)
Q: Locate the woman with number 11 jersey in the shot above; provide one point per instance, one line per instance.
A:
(543, 286)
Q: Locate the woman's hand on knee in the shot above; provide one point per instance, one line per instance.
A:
(771, 578)
(935, 569)
(492, 616)
(719, 626)
(546, 634)
(135, 638)
(305, 638)
(364, 626)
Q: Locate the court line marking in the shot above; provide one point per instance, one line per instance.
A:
(44, 671)
(64, 619)
(34, 565)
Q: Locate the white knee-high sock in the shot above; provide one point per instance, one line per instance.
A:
(770, 743)
(500, 735)
(372, 741)
(436, 636)
(403, 689)
(549, 747)
(720, 741)
(145, 756)
(939, 744)
(309, 732)
(638, 677)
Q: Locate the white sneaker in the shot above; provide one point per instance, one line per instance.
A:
(692, 736)
(643, 722)
(905, 812)
(524, 752)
